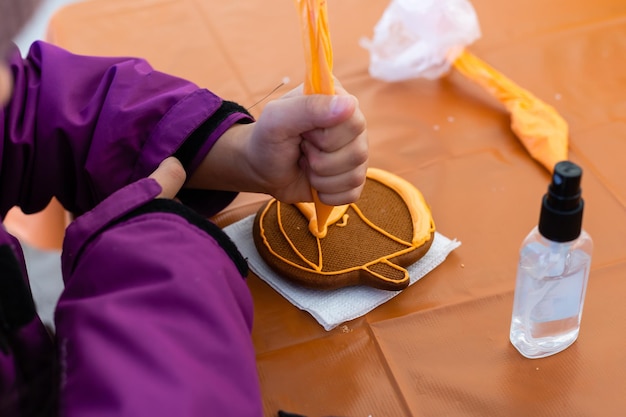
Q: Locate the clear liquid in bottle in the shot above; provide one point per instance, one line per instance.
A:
(549, 295)
(553, 271)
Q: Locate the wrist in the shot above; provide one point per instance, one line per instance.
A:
(226, 166)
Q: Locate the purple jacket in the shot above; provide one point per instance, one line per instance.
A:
(155, 317)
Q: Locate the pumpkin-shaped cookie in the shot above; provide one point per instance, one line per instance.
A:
(369, 242)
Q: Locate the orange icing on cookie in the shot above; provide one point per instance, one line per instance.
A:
(421, 217)
(309, 211)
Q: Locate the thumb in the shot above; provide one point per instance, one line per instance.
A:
(299, 114)
(171, 176)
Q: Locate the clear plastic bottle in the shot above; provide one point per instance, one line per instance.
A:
(553, 271)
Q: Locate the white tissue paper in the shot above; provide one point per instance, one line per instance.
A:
(420, 38)
(334, 307)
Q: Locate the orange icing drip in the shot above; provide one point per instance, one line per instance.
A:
(421, 217)
(344, 221)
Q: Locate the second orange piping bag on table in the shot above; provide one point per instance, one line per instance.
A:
(539, 127)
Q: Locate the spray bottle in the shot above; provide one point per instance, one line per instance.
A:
(553, 270)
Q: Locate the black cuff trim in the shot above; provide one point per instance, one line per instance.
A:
(162, 205)
(194, 142)
(17, 307)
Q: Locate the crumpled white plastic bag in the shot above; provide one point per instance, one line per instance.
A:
(420, 38)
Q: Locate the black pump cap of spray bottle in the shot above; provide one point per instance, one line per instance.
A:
(562, 207)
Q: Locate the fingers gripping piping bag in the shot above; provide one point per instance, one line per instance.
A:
(425, 38)
(319, 68)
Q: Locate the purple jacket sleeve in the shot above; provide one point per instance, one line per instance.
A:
(156, 316)
(80, 128)
(28, 376)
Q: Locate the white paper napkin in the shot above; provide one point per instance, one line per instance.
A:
(334, 307)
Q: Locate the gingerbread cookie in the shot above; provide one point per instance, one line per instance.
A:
(369, 242)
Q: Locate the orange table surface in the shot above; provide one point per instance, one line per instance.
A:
(441, 347)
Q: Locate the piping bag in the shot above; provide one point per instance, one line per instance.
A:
(319, 74)
(426, 38)
(540, 128)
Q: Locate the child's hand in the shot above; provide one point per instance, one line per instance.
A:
(315, 141)
(299, 141)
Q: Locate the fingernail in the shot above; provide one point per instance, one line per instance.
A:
(339, 103)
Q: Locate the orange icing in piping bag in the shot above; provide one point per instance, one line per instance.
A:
(319, 75)
(539, 127)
